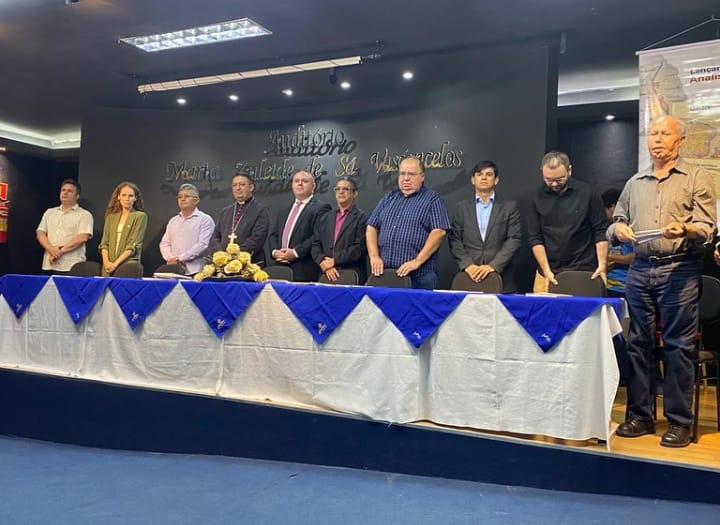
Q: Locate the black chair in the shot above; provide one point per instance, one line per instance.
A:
(707, 364)
(86, 269)
(345, 277)
(278, 272)
(171, 268)
(129, 270)
(389, 279)
(491, 284)
(574, 282)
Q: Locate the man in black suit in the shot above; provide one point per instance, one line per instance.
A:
(245, 222)
(486, 231)
(292, 235)
(339, 242)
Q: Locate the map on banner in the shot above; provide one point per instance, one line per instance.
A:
(684, 81)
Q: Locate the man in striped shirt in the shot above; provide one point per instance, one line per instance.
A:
(407, 227)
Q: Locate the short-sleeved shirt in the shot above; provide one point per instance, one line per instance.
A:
(404, 225)
(60, 227)
(569, 225)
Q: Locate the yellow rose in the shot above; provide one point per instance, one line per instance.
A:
(220, 258)
(198, 277)
(244, 258)
(233, 267)
(260, 276)
(208, 270)
(252, 268)
(233, 248)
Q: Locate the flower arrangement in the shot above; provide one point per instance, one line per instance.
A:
(232, 263)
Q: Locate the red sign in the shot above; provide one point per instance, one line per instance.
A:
(4, 210)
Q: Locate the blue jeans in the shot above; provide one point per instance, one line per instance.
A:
(670, 294)
(427, 281)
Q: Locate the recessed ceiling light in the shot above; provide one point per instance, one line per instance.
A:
(234, 97)
(196, 36)
(408, 75)
(3, 149)
(609, 117)
(345, 84)
(287, 92)
(182, 101)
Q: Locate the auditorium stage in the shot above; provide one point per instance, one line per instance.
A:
(97, 414)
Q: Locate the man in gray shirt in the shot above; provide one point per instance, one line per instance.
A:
(677, 200)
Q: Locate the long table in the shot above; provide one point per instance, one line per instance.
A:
(480, 368)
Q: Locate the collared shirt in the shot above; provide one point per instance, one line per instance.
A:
(60, 227)
(482, 211)
(569, 225)
(340, 216)
(404, 225)
(686, 195)
(187, 238)
(303, 203)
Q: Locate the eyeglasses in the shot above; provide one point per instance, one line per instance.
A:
(338, 189)
(559, 180)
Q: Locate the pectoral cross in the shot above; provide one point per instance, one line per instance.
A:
(232, 237)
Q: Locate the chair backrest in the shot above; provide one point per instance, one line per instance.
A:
(710, 300)
(491, 284)
(279, 273)
(170, 268)
(574, 282)
(389, 279)
(345, 277)
(129, 269)
(86, 269)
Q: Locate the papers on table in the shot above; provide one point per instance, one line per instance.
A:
(170, 275)
(647, 235)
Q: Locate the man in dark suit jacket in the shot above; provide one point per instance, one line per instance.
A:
(486, 232)
(339, 242)
(245, 222)
(292, 236)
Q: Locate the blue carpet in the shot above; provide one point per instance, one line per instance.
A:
(46, 483)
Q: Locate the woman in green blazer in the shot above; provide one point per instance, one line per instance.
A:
(124, 230)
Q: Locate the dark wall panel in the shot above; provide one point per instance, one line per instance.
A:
(493, 114)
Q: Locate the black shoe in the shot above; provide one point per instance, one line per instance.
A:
(634, 427)
(677, 436)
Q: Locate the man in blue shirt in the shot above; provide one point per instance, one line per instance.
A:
(407, 227)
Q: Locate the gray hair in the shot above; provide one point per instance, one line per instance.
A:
(189, 187)
(553, 159)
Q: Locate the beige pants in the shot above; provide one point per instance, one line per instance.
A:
(541, 284)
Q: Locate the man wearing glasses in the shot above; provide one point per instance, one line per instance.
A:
(566, 224)
(339, 242)
(188, 233)
(407, 227)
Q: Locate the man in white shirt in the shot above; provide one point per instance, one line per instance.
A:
(64, 230)
(188, 233)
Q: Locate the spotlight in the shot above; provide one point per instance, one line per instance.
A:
(181, 101)
(345, 84)
(68, 2)
(287, 92)
(609, 117)
(333, 76)
(408, 75)
(234, 97)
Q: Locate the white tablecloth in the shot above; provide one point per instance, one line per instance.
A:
(480, 369)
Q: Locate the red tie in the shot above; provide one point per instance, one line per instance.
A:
(289, 224)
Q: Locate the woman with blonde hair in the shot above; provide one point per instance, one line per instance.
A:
(124, 230)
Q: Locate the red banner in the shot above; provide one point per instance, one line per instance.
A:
(4, 210)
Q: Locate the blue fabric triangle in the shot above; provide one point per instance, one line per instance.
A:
(21, 290)
(416, 313)
(222, 303)
(80, 294)
(321, 309)
(548, 319)
(138, 298)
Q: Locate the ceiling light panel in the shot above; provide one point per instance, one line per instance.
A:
(196, 36)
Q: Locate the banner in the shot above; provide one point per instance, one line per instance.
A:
(4, 211)
(684, 81)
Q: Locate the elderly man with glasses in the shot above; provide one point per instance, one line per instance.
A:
(566, 224)
(339, 242)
